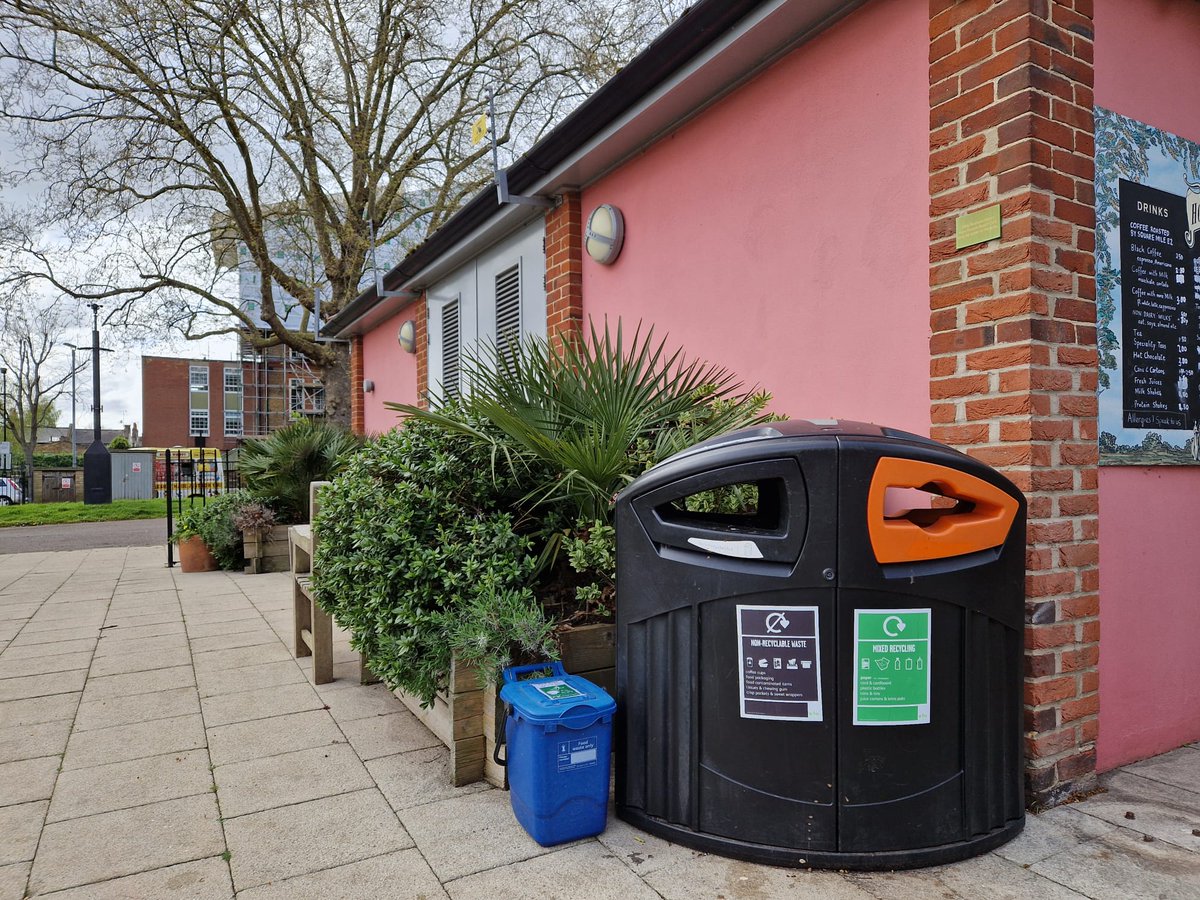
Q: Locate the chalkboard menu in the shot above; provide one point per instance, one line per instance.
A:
(1160, 291)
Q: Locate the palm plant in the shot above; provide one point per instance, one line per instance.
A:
(279, 467)
(578, 420)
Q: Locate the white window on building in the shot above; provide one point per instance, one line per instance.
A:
(198, 423)
(233, 423)
(198, 378)
(306, 397)
(233, 380)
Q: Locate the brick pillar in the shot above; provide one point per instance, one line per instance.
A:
(1013, 363)
(358, 400)
(420, 316)
(564, 267)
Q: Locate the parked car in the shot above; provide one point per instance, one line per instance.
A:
(10, 491)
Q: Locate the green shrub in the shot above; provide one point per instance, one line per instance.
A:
(278, 468)
(420, 557)
(52, 460)
(213, 521)
(120, 442)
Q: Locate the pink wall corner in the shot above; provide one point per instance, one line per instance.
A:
(783, 233)
(1149, 617)
(393, 371)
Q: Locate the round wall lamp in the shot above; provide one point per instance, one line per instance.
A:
(368, 386)
(605, 234)
(407, 336)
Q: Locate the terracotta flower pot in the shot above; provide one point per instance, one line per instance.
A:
(194, 555)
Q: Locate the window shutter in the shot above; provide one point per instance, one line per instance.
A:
(451, 349)
(508, 312)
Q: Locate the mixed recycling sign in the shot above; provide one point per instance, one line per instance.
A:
(891, 666)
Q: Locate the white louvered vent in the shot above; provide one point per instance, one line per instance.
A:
(451, 350)
(508, 312)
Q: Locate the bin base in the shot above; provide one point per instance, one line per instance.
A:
(821, 859)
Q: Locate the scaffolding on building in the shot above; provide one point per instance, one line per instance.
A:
(278, 384)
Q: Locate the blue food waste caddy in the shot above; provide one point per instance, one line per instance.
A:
(559, 736)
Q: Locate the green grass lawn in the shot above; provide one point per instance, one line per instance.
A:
(67, 513)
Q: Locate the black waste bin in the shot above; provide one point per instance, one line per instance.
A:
(812, 676)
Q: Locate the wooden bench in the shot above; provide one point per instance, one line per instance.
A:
(313, 626)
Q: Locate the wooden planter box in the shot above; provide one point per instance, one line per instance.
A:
(465, 717)
(268, 553)
(456, 717)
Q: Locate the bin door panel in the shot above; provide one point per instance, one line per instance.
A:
(901, 781)
(768, 781)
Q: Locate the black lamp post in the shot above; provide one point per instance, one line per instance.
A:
(4, 408)
(97, 463)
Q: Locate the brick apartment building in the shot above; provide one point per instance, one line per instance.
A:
(217, 403)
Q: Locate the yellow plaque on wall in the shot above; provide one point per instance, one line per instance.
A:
(977, 227)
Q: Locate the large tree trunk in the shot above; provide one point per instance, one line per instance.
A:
(336, 377)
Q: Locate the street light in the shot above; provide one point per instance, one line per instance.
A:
(4, 408)
(97, 463)
(74, 402)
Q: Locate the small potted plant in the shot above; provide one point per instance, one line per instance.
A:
(255, 520)
(194, 554)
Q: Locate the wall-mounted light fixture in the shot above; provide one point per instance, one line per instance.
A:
(407, 336)
(605, 234)
(368, 386)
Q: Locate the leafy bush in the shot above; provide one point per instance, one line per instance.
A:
(120, 442)
(213, 521)
(254, 518)
(278, 468)
(419, 556)
(52, 460)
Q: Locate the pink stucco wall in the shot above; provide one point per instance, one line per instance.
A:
(1149, 520)
(393, 371)
(784, 233)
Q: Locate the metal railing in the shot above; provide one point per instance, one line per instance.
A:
(190, 476)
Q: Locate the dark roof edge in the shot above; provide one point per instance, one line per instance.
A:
(689, 35)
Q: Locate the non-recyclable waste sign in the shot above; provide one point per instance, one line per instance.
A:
(891, 666)
(780, 670)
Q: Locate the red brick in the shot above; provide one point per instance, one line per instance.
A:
(1043, 637)
(959, 200)
(1000, 457)
(962, 105)
(1082, 658)
(1076, 766)
(1039, 127)
(945, 388)
(1079, 505)
(945, 273)
(958, 435)
(1015, 431)
(1000, 14)
(954, 15)
(944, 181)
(1077, 406)
(1077, 709)
(1039, 693)
(1052, 429)
(955, 294)
(1000, 358)
(956, 153)
(1050, 532)
(1002, 258)
(1078, 213)
(964, 339)
(1078, 454)
(1002, 111)
(1075, 310)
(1044, 745)
(1039, 665)
(995, 407)
(1035, 77)
(941, 413)
(1079, 607)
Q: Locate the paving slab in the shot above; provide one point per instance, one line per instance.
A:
(12, 881)
(57, 648)
(26, 638)
(113, 644)
(987, 877)
(139, 683)
(354, 701)
(137, 660)
(642, 853)
(271, 737)
(259, 703)
(110, 845)
(42, 685)
(230, 627)
(109, 711)
(385, 877)
(465, 835)
(31, 741)
(235, 681)
(310, 837)
(232, 658)
(706, 876)
(1161, 811)
(1179, 768)
(28, 779)
(272, 781)
(398, 732)
(1050, 832)
(589, 864)
(121, 785)
(202, 879)
(45, 664)
(134, 741)
(40, 709)
(419, 776)
(1122, 865)
(20, 827)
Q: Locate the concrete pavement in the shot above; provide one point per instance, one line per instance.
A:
(158, 740)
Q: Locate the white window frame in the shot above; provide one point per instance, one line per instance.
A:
(195, 386)
(194, 416)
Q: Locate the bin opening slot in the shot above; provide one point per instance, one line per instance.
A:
(755, 506)
(923, 506)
